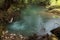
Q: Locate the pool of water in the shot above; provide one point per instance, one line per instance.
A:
(33, 21)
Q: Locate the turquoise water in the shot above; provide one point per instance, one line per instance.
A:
(33, 22)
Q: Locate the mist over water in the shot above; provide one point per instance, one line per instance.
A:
(33, 22)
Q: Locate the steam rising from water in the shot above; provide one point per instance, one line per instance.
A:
(32, 22)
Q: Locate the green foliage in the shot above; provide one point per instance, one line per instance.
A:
(1, 2)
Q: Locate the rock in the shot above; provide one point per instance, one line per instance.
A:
(56, 32)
